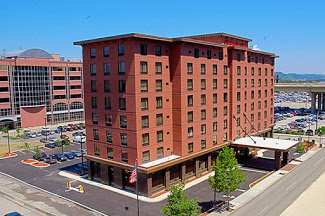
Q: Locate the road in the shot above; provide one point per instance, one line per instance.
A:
(275, 199)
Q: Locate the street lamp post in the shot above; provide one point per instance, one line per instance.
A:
(82, 157)
(61, 139)
(45, 130)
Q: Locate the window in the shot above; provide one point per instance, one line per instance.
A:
(271, 82)
(252, 117)
(215, 98)
(252, 106)
(96, 150)
(190, 132)
(238, 70)
(189, 68)
(108, 119)
(252, 94)
(214, 140)
(94, 102)
(121, 86)
(93, 84)
(259, 93)
(259, 71)
(203, 114)
(252, 71)
(203, 99)
(143, 49)
(238, 96)
(238, 109)
(265, 71)
(109, 137)
(190, 116)
(159, 103)
(203, 143)
(95, 134)
(189, 84)
(225, 97)
(215, 69)
(271, 111)
(271, 102)
(92, 53)
(238, 121)
(265, 93)
(238, 83)
(123, 122)
(121, 68)
(271, 91)
(160, 135)
(215, 112)
(265, 82)
(238, 57)
(107, 103)
(214, 84)
(143, 67)
(245, 71)
(106, 51)
(225, 83)
(209, 54)
(109, 153)
(145, 121)
(203, 129)
(265, 114)
(220, 55)
(259, 82)
(203, 69)
(190, 148)
(145, 139)
(256, 60)
(121, 50)
(203, 84)
(122, 103)
(225, 124)
(158, 67)
(263, 60)
(196, 53)
(158, 50)
(271, 72)
(225, 137)
(158, 85)
(245, 108)
(95, 118)
(144, 85)
(215, 126)
(92, 69)
(144, 103)
(124, 139)
(225, 110)
(159, 119)
(107, 69)
(160, 152)
(190, 100)
(249, 59)
(245, 83)
(259, 105)
(124, 156)
(107, 86)
(252, 82)
(225, 70)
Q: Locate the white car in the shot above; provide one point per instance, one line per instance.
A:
(38, 134)
(79, 139)
(33, 135)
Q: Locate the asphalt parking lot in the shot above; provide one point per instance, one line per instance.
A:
(100, 199)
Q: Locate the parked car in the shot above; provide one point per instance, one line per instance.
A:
(79, 133)
(309, 132)
(52, 139)
(69, 129)
(76, 153)
(57, 131)
(41, 157)
(27, 132)
(84, 151)
(38, 134)
(64, 128)
(50, 145)
(13, 214)
(50, 159)
(52, 132)
(79, 139)
(44, 140)
(81, 127)
(69, 155)
(63, 136)
(33, 135)
(75, 128)
(60, 157)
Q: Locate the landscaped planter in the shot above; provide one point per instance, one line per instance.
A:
(40, 164)
(29, 161)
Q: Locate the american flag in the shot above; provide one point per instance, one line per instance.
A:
(133, 176)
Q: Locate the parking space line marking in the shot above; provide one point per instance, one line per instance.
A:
(254, 170)
(22, 151)
(47, 148)
(291, 185)
(319, 161)
(263, 210)
(241, 190)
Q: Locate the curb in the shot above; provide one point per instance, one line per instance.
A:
(50, 193)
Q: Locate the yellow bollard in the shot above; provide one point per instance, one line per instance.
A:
(69, 185)
(81, 189)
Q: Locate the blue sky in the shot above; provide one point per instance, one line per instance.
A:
(294, 30)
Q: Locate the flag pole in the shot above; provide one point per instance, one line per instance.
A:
(136, 188)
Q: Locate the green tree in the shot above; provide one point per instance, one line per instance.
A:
(321, 130)
(227, 174)
(26, 147)
(6, 130)
(18, 130)
(179, 204)
(37, 151)
(300, 148)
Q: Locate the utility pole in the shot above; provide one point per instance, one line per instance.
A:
(45, 130)
(82, 157)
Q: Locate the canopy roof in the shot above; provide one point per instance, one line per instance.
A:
(267, 143)
(30, 53)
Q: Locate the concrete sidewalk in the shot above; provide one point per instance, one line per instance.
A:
(264, 184)
(34, 201)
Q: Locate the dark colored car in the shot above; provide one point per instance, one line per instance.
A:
(41, 157)
(309, 132)
(75, 128)
(13, 214)
(69, 155)
(60, 157)
(44, 140)
(69, 129)
(57, 131)
(50, 160)
(50, 145)
(76, 153)
(79, 133)
(81, 127)
(64, 129)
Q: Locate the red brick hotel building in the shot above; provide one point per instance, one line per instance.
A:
(170, 103)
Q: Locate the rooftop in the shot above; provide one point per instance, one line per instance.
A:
(29, 53)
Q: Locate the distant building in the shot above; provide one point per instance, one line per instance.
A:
(170, 103)
(35, 85)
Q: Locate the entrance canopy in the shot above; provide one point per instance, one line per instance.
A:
(267, 143)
